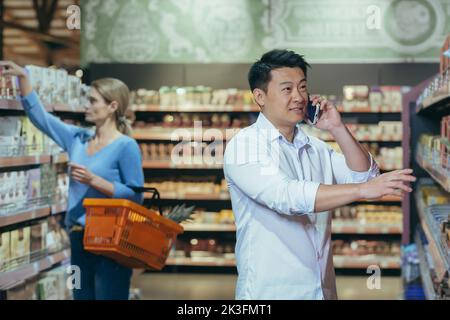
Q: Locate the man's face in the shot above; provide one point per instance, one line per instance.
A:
(285, 101)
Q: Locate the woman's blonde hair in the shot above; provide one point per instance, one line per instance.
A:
(112, 89)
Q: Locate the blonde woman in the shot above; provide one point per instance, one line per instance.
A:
(103, 164)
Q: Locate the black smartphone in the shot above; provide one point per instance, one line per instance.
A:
(312, 112)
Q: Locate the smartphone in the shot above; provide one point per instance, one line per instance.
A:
(312, 112)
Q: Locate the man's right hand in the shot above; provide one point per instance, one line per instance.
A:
(388, 184)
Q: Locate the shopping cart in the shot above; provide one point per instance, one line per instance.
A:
(129, 233)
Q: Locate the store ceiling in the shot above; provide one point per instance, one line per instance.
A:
(26, 41)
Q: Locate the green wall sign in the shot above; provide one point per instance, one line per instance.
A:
(239, 31)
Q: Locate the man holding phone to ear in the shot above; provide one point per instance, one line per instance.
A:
(283, 184)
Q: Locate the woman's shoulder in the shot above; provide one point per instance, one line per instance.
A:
(128, 142)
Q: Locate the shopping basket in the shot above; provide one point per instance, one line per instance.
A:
(129, 233)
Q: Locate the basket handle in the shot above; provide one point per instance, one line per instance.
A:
(154, 191)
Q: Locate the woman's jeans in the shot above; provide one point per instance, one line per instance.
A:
(101, 278)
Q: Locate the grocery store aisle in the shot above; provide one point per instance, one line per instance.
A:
(222, 286)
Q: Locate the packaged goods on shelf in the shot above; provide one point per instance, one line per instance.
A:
(188, 120)
(198, 248)
(189, 184)
(444, 62)
(374, 99)
(191, 96)
(9, 89)
(383, 131)
(20, 246)
(430, 149)
(25, 291)
(52, 285)
(57, 238)
(224, 216)
(56, 86)
(432, 194)
(5, 249)
(369, 214)
(364, 247)
(386, 158)
(437, 88)
(38, 244)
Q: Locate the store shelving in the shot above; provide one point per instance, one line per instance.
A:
(209, 134)
(10, 279)
(58, 208)
(337, 228)
(437, 104)
(148, 164)
(24, 161)
(60, 158)
(438, 175)
(8, 104)
(26, 215)
(438, 249)
(340, 262)
(226, 196)
(196, 108)
(424, 266)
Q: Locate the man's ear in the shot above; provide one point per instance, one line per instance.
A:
(259, 96)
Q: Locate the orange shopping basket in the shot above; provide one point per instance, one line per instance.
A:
(129, 233)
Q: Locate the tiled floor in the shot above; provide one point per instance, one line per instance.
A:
(221, 286)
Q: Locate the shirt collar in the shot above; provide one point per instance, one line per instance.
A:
(273, 134)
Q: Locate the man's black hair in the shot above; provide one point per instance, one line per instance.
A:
(259, 74)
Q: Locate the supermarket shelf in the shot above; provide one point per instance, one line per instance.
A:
(338, 228)
(438, 176)
(199, 108)
(425, 275)
(437, 104)
(58, 208)
(60, 158)
(66, 108)
(166, 164)
(150, 164)
(356, 228)
(363, 262)
(24, 216)
(441, 260)
(8, 162)
(190, 196)
(10, 104)
(366, 110)
(340, 262)
(13, 278)
(226, 196)
(201, 262)
(209, 227)
(179, 134)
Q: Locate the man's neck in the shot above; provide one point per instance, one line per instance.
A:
(287, 131)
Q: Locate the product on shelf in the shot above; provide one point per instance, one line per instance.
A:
(5, 249)
(38, 244)
(224, 216)
(20, 246)
(189, 185)
(374, 99)
(383, 131)
(386, 158)
(9, 88)
(191, 96)
(369, 214)
(364, 247)
(55, 86)
(430, 149)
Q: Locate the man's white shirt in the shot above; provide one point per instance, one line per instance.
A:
(283, 249)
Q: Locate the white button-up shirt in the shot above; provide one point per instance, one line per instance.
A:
(283, 249)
